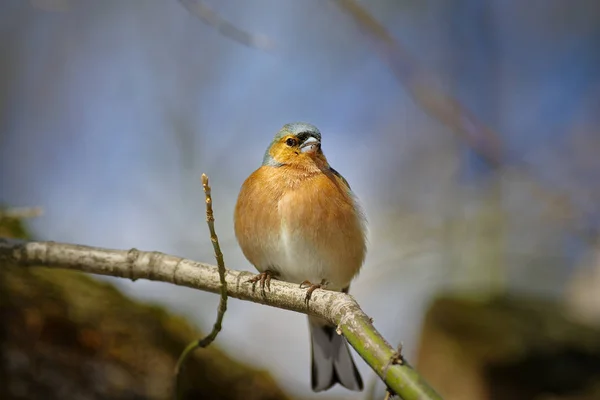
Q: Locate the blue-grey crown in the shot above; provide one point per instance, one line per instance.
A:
(297, 128)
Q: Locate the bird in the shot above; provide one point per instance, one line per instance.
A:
(297, 220)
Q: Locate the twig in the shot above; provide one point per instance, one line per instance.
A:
(395, 359)
(337, 308)
(226, 28)
(208, 339)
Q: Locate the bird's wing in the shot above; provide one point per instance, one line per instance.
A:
(340, 176)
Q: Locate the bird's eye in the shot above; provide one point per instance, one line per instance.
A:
(291, 142)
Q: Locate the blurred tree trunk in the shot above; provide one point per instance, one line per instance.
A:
(516, 348)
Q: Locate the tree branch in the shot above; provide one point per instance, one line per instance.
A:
(338, 308)
(226, 28)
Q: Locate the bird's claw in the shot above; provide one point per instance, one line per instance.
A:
(311, 288)
(307, 282)
(265, 281)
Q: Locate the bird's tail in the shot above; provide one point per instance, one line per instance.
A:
(331, 358)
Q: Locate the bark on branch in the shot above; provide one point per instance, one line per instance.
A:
(337, 308)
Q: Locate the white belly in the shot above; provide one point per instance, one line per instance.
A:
(298, 260)
(293, 258)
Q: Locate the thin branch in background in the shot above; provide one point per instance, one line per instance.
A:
(21, 212)
(420, 85)
(226, 28)
(449, 111)
(51, 5)
(207, 340)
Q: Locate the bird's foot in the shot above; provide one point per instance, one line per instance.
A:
(311, 288)
(265, 280)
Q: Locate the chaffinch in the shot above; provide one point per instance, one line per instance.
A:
(297, 220)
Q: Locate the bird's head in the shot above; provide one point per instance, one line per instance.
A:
(296, 144)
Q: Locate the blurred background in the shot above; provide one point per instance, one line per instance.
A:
(468, 130)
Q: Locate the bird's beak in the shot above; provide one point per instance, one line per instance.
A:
(310, 145)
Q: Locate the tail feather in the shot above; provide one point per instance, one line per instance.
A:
(331, 359)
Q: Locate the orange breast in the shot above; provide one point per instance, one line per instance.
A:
(303, 224)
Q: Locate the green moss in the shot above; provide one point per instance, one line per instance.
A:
(12, 227)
